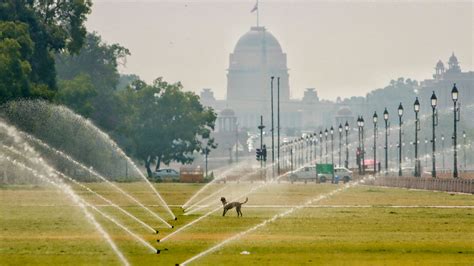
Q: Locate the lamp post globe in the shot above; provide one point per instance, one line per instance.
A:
(416, 105)
(454, 93)
(400, 110)
(434, 100)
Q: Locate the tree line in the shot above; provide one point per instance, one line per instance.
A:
(47, 53)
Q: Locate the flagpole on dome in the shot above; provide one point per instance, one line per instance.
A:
(255, 8)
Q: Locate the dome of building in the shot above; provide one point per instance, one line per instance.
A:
(255, 39)
(227, 112)
(344, 111)
(453, 59)
(440, 64)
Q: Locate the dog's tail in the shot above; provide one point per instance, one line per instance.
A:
(246, 199)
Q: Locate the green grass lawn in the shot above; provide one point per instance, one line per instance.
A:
(360, 226)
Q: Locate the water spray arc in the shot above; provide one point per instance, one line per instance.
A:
(253, 189)
(24, 109)
(86, 188)
(80, 201)
(68, 191)
(274, 218)
(38, 141)
(188, 205)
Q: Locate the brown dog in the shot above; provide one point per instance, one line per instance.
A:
(237, 205)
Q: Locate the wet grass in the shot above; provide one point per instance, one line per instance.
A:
(360, 226)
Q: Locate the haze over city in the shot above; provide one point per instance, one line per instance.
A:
(366, 43)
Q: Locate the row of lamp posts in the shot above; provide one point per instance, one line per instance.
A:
(361, 146)
(416, 108)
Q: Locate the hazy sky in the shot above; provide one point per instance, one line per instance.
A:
(341, 48)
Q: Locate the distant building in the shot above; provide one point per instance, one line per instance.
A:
(257, 57)
(443, 80)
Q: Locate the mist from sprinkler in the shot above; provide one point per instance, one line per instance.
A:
(220, 176)
(69, 192)
(69, 158)
(17, 152)
(253, 189)
(63, 187)
(22, 108)
(274, 218)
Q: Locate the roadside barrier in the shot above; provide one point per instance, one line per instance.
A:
(426, 183)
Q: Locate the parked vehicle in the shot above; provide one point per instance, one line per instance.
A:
(343, 174)
(166, 174)
(305, 174)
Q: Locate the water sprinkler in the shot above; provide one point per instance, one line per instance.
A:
(158, 240)
(172, 226)
(175, 218)
(157, 231)
(158, 251)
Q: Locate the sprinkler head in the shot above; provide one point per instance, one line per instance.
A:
(175, 218)
(177, 264)
(157, 231)
(158, 240)
(158, 251)
(172, 226)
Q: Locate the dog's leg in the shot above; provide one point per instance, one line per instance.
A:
(223, 214)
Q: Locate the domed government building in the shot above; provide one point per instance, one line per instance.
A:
(257, 56)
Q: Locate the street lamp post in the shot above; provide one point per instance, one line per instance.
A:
(278, 126)
(273, 128)
(320, 146)
(340, 143)
(315, 143)
(464, 149)
(291, 157)
(416, 107)
(375, 119)
(434, 102)
(400, 114)
(309, 147)
(332, 150)
(385, 118)
(359, 148)
(363, 144)
(261, 127)
(236, 142)
(326, 142)
(346, 127)
(455, 96)
(302, 151)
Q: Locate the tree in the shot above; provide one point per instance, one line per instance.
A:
(78, 94)
(53, 26)
(168, 124)
(15, 49)
(99, 61)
